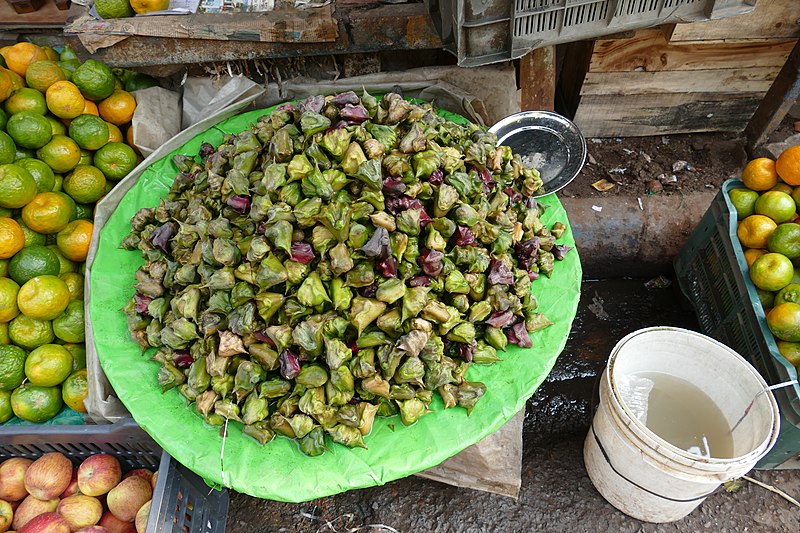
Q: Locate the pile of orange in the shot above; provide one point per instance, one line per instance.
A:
(769, 232)
(62, 148)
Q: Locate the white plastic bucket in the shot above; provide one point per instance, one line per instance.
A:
(643, 475)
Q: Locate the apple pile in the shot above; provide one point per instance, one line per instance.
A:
(51, 495)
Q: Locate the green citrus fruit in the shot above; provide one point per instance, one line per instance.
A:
(17, 186)
(8, 150)
(3, 118)
(86, 211)
(785, 240)
(744, 200)
(68, 326)
(8, 299)
(75, 389)
(26, 99)
(78, 352)
(6, 413)
(12, 367)
(43, 297)
(115, 160)
(36, 404)
(61, 154)
(24, 153)
(85, 184)
(777, 205)
(56, 125)
(48, 365)
(31, 262)
(29, 130)
(41, 173)
(32, 238)
(94, 79)
(29, 333)
(784, 321)
(89, 131)
(74, 283)
(65, 265)
(791, 351)
(770, 272)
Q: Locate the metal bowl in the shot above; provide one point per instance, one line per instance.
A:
(547, 142)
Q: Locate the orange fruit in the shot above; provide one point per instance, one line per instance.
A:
(6, 85)
(118, 108)
(73, 241)
(75, 389)
(20, 55)
(770, 272)
(115, 160)
(114, 133)
(788, 165)
(751, 254)
(42, 74)
(760, 174)
(784, 321)
(65, 100)
(791, 351)
(8, 300)
(26, 99)
(785, 240)
(91, 109)
(17, 81)
(48, 365)
(51, 54)
(744, 201)
(783, 187)
(12, 239)
(62, 154)
(148, 6)
(86, 184)
(777, 205)
(790, 293)
(36, 404)
(17, 186)
(48, 212)
(43, 297)
(754, 231)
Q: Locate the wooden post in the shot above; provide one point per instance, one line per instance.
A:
(780, 97)
(537, 79)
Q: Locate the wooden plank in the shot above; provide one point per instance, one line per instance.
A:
(650, 51)
(779, 99)
(573, 60)
(537, 79)
(735, 80)
(770, 19)
(47, 16)
(661, 114)
(278, 26)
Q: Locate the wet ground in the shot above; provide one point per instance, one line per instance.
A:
(556, 493)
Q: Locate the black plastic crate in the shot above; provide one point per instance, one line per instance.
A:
(712, 273)
(182, 502)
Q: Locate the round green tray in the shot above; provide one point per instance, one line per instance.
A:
(279, 471)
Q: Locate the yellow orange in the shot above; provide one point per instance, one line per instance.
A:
(755, 230)
(118, 108)
(65, 100)
(760, 174)
(788, 165)
(20, 55)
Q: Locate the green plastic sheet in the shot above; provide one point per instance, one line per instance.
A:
(279, 471)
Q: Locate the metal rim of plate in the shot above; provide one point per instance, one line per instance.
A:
(547, 133)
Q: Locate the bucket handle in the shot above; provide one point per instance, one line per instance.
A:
(608, 460)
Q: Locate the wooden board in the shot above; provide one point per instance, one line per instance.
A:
(734, 80)
(649, 50)
(771, 19)
(279, 26)
(47, 16)
(662, 114)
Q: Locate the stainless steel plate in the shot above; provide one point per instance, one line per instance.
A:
(547, 142)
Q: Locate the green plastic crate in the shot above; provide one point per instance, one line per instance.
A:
(711, 272)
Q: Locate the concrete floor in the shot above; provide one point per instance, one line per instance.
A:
(556, 493)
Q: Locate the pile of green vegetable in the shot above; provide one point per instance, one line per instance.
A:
(344, 258)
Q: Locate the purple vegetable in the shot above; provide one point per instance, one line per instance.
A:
(301, 252)
(489, 183)
(387, 266)
(466, 351)
(206, 150)
(312, 103)
(368, 291)
(290, 364)
(436, 177)
(500, 319)
(533, 275)
(354, 347)
(261, 336)
(161, 236)
(378, 245)
(342, 99)
(431, 262)
(419, 281)
(531, 203)
(560, 250)
(527, 252)
(499, 274)
(182, 359)
(519, 335)
(354, 113)
(393, 187)
(285, 107)
(513, 196)
(140, 303)
(395, 204)
(262, 228)
(424, 219)
(240, 204)
(464, 236)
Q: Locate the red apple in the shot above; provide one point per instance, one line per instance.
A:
(72, 489)
(141, 517)
(30, 508)
(115, 525)
(141, 472)
(12, 478)
(46, 523)
(48, 476)
(153, 480)
(7, 515)
(125, 499)
(98, 474)
(80, 511)
(92, 529)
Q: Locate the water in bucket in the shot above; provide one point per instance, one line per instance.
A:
(680, 413)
